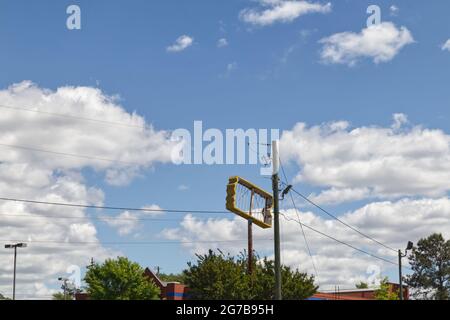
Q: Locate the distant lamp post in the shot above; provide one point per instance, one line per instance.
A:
(15, 246)
(64, 286)
(400, 256)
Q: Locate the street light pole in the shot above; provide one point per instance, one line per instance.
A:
(400, 256)
(64, 286)
(15, 246)
(14, 280)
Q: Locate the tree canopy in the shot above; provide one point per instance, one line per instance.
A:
(362, 285)
(2, 297)
(119, 279)
(171, 277)
(384, 292)
(218, 276)
(61, 296)
(430, 262)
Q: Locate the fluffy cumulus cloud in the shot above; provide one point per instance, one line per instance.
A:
(49, 253)
(120, 143)
(403, 169)
(381, 43)
(446, 45)
(364, 162)
(129, 222)
(182, 43)
(394, 223)
(124, 223)
(47, 140)
(333, 196)
(273, 11)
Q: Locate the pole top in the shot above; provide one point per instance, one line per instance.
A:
(16, 245)
(276, 156)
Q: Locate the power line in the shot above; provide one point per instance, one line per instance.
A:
(306, 240)
(172, 211)
(64, 154)
(73, 117)
(88, 216)
(342, 222)
(64, 204)
(335, 217)
(59, 242)
(303, 231)
(341, 242)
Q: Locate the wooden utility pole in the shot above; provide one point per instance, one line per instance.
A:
(276, 217)
(250, 236)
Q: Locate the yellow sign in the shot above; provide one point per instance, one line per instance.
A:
(249, 201)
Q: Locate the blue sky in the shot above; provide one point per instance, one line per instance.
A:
(277, 80)
(123, 47)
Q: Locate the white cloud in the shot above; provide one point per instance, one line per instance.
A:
(272, 11)
(400, 119)
(367, 162)
(394, 10)
(27, 174)
(129, 222)
(394, 223)
(340, 195)
(132, 143)
(446, 45)
(41, 263)
(378, 42)
(221, 43)
(157, 210)
(125, 223)
(181, 44)
(183, 187)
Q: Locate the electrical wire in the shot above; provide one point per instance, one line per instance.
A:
(337, 219)
(335, 239)
(173, 211)
(59, 242)
(65, 204)
(344, 223)
(73, 117)
(301, 226)
(88, 216)
(64, 154)
(340, 241)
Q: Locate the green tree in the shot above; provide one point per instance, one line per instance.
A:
(384, 292)
(295, 285)
(171, 277)
(119, 279)
(2, 297)
(218, 276)
(70, 292)
(362, 285)
(430, 262)
(60, 296)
